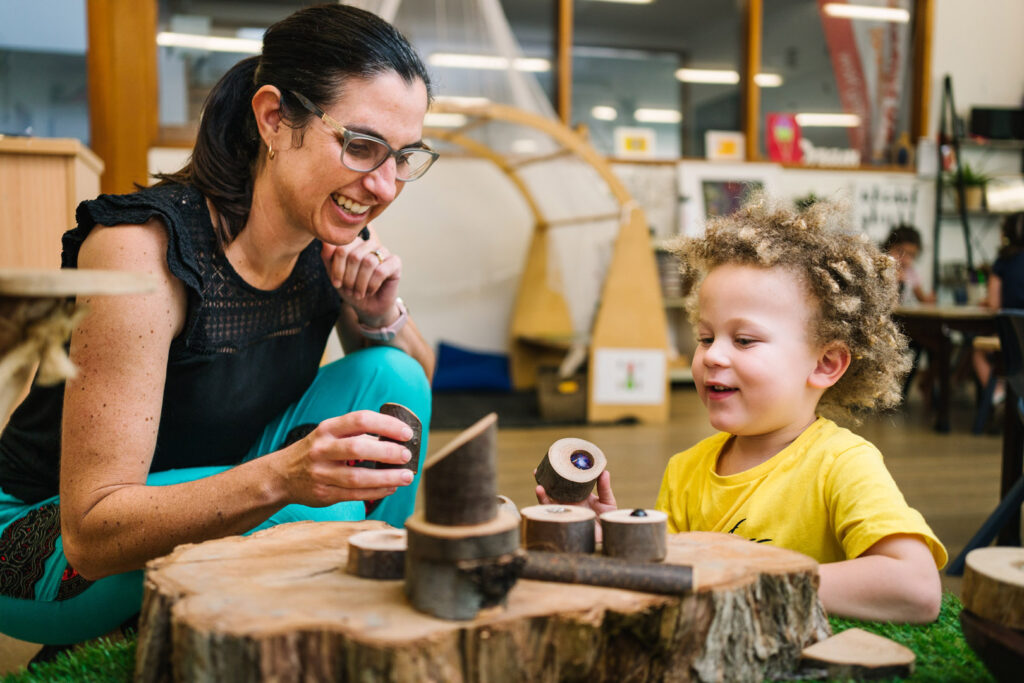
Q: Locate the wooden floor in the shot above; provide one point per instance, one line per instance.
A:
(952, 479)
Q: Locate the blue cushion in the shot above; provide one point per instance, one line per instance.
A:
(460, 368)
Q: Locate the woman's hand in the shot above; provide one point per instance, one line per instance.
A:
(322, 468)
(366, 275)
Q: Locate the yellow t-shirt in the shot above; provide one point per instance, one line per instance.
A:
(827, 495)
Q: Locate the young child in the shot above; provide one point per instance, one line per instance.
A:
(792, 320)
(904, 245)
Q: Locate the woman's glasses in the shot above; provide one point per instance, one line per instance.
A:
(365, 153)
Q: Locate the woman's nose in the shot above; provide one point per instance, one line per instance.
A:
(382, 181)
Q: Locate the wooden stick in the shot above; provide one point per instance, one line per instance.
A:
(637, 534)
(558, 528)
(569, 470)
(610, 572)
(459, 486)
(413, 444)
(377, 554)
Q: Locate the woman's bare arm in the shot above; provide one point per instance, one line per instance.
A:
(111, 521)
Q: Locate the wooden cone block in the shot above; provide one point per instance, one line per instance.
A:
(277, 605)
(993, 585)
(458, 485)
(377, 554)
(569, 470)
(858, 654)
(638, 537)
(558, 528)
(413, 444)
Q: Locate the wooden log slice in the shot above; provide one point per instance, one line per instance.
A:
(558, 528)
(413, 444)
(452, 572)
(857, 654)
(459, 481)
(377, 554)
(639, 535)
(569, 470)
(277, 605)
(993, 585)
(1001, 649)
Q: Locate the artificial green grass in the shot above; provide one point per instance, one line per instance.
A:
(942, 654)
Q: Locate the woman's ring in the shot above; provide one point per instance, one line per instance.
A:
(380, 259)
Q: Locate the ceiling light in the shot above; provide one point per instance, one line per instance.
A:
(768, 80)
(603, 112)
(209, 43)
(658, 115)
(628, 2)
(726, 76)
(436, 119)
(808, 120)
(844, 11)
(491, 62)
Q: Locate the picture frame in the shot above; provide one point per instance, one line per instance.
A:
(710, 189)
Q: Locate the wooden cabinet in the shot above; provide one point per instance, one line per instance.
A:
(42, 180)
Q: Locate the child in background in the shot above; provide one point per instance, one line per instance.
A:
(904, 245)
(792, 315)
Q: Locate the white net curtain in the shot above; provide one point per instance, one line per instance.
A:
(472, 56)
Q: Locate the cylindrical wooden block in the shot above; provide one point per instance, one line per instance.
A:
(611, 572)
(413, 444)
(639, 535)
(569, 470)
(460, 481)
(377, 554)
(505, 503)
(558, 528)
(993, 585)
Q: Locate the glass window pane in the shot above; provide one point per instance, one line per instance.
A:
(43, 78)
(626, 78)
(857, 67)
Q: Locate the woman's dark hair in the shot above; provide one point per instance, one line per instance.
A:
(902, 234)
(1013, 235)
(313, 51)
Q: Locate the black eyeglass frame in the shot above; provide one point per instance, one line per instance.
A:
(348, 136)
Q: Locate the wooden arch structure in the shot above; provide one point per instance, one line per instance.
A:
(630, 316)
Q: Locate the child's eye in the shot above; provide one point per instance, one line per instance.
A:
(744, 341)
(705, 341)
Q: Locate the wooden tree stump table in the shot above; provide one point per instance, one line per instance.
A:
(278, 605)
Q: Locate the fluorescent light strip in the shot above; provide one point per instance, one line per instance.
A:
(628, 2)
(210, 43)
(842, 10)
(809, 120)
(488, 62)
(604, 112)
(725, 76)
(442, 120)
(658, 115)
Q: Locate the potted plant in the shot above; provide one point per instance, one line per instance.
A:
(974, 182)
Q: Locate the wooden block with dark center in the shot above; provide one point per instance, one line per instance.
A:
(635, 534)
(569, 470)
(558, 528)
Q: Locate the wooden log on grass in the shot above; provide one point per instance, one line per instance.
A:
(569, 470)
(993, 585)
(857, 654)
(279, 605)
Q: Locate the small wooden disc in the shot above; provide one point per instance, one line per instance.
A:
(855, 654)
(558, 528)
(377, 554)
(26, 282)
(639, 537)
(569, 470)
(993, 585)
(413, 444)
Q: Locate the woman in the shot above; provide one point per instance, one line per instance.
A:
(1005, 290)
(199, 410)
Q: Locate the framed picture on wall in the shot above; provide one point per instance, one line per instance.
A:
(712, 189)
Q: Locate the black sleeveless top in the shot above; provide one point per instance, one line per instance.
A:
(243, 356)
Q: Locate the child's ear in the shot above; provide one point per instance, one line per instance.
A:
(832, 363)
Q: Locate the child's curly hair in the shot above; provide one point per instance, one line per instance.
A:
(855, 284)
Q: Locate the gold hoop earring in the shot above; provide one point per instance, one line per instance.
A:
(271, 153)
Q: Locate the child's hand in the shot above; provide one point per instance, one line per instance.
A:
(602, 501)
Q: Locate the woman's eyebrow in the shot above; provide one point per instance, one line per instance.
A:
(366, 130)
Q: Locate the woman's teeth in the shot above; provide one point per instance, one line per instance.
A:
(350, 206)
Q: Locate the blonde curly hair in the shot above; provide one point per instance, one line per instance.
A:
(853, 282)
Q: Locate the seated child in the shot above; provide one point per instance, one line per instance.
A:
(904, 245)
(792, 319)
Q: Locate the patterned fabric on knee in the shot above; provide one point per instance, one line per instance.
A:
(25, 546)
